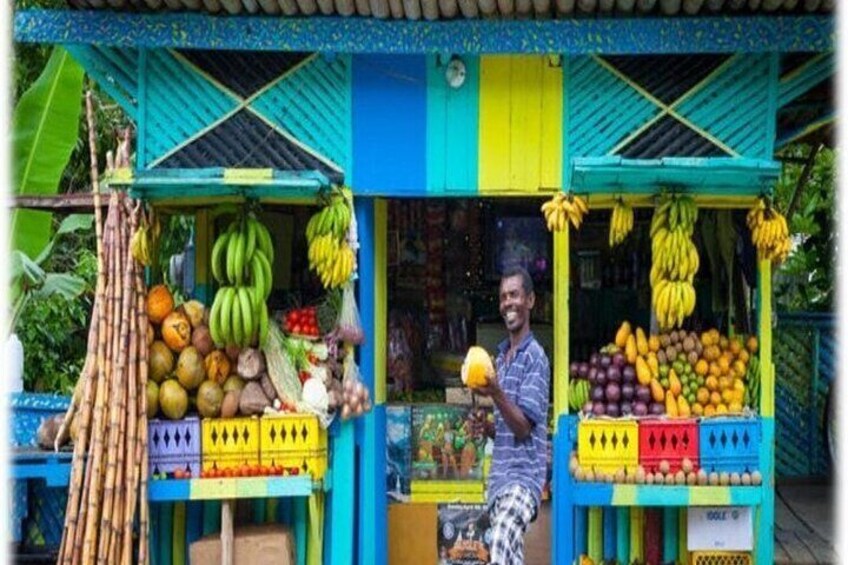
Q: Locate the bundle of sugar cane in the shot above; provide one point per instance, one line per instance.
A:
(109, 473)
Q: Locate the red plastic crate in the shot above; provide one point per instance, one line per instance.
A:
(672, 440)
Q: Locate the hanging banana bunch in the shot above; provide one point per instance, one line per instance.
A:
(563, 208)
(621, 222)
(330, 253)
(674, 260)
(144, 242)
(769, 232)
(242, 259)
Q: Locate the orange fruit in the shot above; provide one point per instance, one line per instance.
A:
(712, 383)
(703, 395)
(715, 371)
(752, 344)
(721, 409)
(735, 345)
(735, 407)
(702, 367)
(724, 383)
(739, 368)
(739, 395)
(706, 339)
(716, 337)
(715, 398)
(697, 409)
(724, 364)
(727, 395)
(744, 356)
(709, 410)
(723, 342)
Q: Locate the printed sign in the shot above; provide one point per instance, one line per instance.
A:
(725, 528)
(464, 536)
(398, 452)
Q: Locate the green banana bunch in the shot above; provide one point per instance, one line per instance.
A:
(675, 260)
(242, 259)
(329, 254)
(752, 388)
(621, 223)
(578, 394)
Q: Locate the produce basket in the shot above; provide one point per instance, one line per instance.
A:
(720, 558)
(29, 409)
(730, 444)
(608, 445)
(229, 442)
(669, 440)
(172, 445)
(294, 440)
(46, 518)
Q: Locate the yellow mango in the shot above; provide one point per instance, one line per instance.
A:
(630, 349)
(641, 342)
(477, 367)
(657, 391)
(622, 334)
(670, 406)
(654, 364)
(674, 384)
(683, 409)
(643, 373)
(654, 343)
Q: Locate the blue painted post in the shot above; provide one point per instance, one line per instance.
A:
(371, 509)
(562, 523)
(300, 529)
(154, 534)
(259, 511)
(764, 546)
(285, 512)
(669, 530)
(338, 530)
(609, 533)
(211, 517)
(581, 531)
(622, 531)
(166, 525)
(194, 523)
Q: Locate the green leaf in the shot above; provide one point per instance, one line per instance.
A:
(23, 266)
(63, 284)
(44, 131)
(76, 222)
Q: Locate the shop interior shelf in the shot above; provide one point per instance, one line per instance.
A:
(586, 494)
(219, 489)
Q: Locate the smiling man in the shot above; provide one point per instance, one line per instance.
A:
(520, 392)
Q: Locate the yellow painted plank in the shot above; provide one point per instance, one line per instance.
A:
(525, 123)
(561, 323)
(494, 129)
(624, 495)
(551, 126)
(442, 487)
(380, 298)
(253, 176)
(709, 496)
(315, 529)
(767, 367)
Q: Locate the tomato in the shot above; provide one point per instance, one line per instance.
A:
(294, 471)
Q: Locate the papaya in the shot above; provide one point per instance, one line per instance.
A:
(654, 343)
(670, 406)
(641, 342)
(622, 334)
(657, 391)
(653, 364)
(674, 384)
(643, 373)
(477, 367)
(630, 349)
(683, 409)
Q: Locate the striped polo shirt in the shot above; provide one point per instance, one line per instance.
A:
(526, 383)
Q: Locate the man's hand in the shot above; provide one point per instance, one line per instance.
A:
(492, 389)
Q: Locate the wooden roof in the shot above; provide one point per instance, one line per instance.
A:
(451, 9)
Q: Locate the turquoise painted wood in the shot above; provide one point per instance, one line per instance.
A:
(166, 527)
(622, 534)
(211, 516)
(141, 120)
(609, 533)
(715, 176)
(764, 522)
(313, 103)
(154, 534)
(300, 519)
(180, 103)
(339, 529)
(194, 524)
(670, 537)
(581, 530)
(115, 70)
(452, 128)
(797, 83)
(389, 124)
(258, 507)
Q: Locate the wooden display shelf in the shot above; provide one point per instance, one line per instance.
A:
(597, 494)
(167, 490)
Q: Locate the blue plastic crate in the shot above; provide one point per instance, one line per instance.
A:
(174, 444)
(730, 444)
(29, 409)
(19, 509)
(46, 518)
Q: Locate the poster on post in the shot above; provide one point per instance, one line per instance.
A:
(464, 534)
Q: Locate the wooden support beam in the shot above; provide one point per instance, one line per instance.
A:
(74, 202)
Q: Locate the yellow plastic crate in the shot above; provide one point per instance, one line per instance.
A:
(294, 440)
(608, 445)
(720, 558)
(229, 442)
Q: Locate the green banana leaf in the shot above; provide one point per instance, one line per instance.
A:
(44, 131)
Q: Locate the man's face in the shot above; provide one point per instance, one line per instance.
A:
(515, 304)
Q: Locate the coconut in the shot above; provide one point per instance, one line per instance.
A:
(173, 400)
(194, 310)
(210, 396)
(232, 352)
(176, 331)
(234, 382)
(152, 399)
(190, 371)
(159, 303)
(202, 340)
(161, 361)
(230, 404)
(217, 366)
(151, 335)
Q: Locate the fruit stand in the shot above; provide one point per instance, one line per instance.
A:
(608, 132)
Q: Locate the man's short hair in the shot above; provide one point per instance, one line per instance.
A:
(516, 271)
